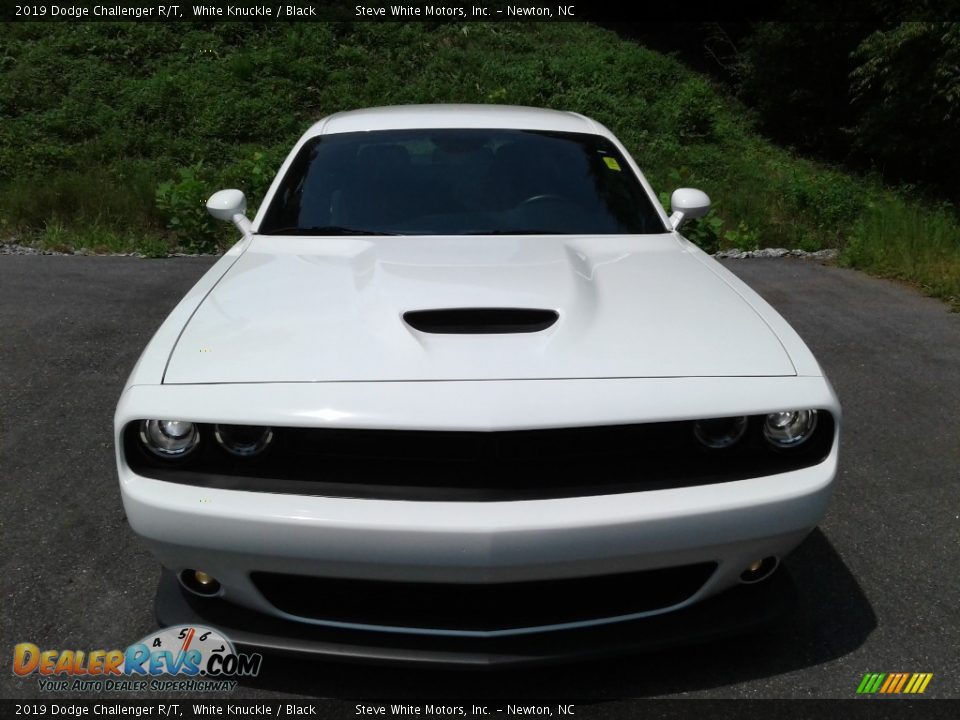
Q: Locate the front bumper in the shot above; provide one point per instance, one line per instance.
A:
(232, 534)
(744, 609)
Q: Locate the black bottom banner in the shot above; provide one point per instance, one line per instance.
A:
(343, 708)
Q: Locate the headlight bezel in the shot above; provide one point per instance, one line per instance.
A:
(162, 441)
(721, 433)
(237, 447)
(804, 421)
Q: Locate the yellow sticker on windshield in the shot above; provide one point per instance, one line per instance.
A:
(612, 163)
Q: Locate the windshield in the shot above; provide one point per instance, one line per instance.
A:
(460, 182)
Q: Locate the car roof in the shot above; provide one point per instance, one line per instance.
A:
(407, 117)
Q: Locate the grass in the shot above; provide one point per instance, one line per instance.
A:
(112, 135)
(898, 239)
(100, 240)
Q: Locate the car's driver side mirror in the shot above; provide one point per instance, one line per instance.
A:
(687, 204)
(231, 206)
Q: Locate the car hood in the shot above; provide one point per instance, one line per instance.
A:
(295, 309)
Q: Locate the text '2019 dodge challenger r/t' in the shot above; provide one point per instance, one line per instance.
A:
(462, 393)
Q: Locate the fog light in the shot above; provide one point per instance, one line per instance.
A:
(199, 583)
(759, 570)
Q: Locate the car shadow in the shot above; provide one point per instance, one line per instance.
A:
(833, 618)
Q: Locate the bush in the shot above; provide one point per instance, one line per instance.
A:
(182, 202)
(696, 108)
(253, 175)
(742, 237)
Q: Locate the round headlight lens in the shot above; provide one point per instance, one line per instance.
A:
(789, 428)
(169, 438)
(720, 433)
(243, 440)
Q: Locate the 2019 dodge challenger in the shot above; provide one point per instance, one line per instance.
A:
(462, 393)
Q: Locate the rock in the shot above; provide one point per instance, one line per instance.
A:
(827, 254)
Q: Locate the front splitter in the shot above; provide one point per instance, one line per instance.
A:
(743, 609)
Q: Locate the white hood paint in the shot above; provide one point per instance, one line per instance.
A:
(294, 309)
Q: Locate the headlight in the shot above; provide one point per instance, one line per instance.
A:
(243, 440)
(720, 432)
(789, 428)
(169, 438)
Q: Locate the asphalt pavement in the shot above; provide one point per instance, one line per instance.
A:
(878, 581)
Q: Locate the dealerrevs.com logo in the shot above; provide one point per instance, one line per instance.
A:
(191, 658)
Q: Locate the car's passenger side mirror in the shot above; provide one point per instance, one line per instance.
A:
(231, 206)
(687, 204)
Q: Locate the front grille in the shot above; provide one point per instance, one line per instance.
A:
(481, 466)
(481, 607)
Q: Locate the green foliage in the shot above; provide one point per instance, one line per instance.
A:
(54, 236)
(253, 174)
(883, 96)
(795, 76)
(907, 91)
(182, 203)
(827, 200)
(120, 196)
(696, 109)
(704, 232)
(898, 239)
(153, 247)
(113, 135)
(742, 237)
(707, 232)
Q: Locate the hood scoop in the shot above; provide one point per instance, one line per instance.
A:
(480, 321)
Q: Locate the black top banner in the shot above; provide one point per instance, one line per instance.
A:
(476, 11)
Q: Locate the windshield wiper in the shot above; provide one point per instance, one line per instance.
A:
(325, 230)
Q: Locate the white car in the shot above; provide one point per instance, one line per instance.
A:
(462, 393)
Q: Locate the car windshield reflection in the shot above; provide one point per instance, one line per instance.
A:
(460, 182)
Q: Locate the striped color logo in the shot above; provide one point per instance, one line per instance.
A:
(894, 683)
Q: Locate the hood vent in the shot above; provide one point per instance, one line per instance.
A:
(477, 321)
